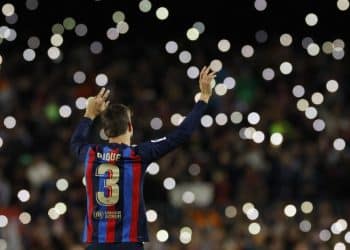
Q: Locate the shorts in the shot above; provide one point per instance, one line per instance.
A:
(115, 246)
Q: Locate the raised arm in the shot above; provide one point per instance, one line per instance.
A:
(95, 105)
(155, 149)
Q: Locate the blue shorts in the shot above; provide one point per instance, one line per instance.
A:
(115, 246)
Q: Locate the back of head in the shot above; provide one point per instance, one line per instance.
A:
(115, 120)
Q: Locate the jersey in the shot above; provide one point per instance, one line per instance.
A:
(114, 176)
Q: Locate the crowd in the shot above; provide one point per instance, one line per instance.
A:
(305, 167)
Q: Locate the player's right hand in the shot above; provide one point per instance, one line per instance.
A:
(205, 79)
(97, 104)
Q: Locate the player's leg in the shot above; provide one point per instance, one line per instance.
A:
(116, 246)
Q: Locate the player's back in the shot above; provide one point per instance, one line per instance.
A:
(115, 208)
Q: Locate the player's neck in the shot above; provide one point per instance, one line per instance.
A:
(122, 139)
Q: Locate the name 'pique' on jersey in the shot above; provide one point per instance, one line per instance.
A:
(114, 174)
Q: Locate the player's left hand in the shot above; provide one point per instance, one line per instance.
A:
(97, 104)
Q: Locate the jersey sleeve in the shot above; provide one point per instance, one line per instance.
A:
(79, 141)
(155, 149)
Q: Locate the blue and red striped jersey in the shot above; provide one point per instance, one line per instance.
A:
(114, 174)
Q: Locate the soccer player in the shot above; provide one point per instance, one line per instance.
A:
(114, 171)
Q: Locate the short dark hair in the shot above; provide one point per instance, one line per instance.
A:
(115, 119)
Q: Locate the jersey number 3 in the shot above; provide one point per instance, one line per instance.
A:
(111, 184)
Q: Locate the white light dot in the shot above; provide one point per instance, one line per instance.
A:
(347, 237)
(343, 5)
(193, 72)
(171, 47)
(23, 195)
(185, 235)
(246, 206)
(338, 53)
(306, 207)
(286, 39)
(188, 197)
(1, 59)
(62, 184)
(56, 40)
(5, 32)
(258, 136)
(122, 27)
(253, 118)
(10, 122)
(79, 77)
(185, 56)
(339, 144)
(260, 5)
(101, 80)
(112, 33)
(305, 226)
(83, 181)
(96, 47)
(339, 43)
(81, 30)
(319, 125)
(176, 119)
(192, 34)
(221, 119)
(220, 89)
(298, 91)
(224, 45)
(3, 221)
(153, 168)
(145, 6)
(325, 235)
(252, 214)
(229, 82)
(118, 16)
(311, 113)
(199, 26)
(247, 51)
(327, 47)
(53, 214)
(24, 218)
(339, 246)
(151, 215)
(1, 142)
(230, 211)
(216, 65)
(53, 53)
(162, 13)
(8, 9)
(236, 117)
(61, 208)
(311, 19)
(332, 86)
(313, 49)
(286, 68)
(162, 235)
(249, 132)
(268, 74)
(29, 55)
(207, 121)
(156, 123)
(302, 105)
(65, 111)
(169, 183)
(276, 139)
(290, 210)
(317, 98)
(254, 228)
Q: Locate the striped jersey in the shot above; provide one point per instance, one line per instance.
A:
(114, 176)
